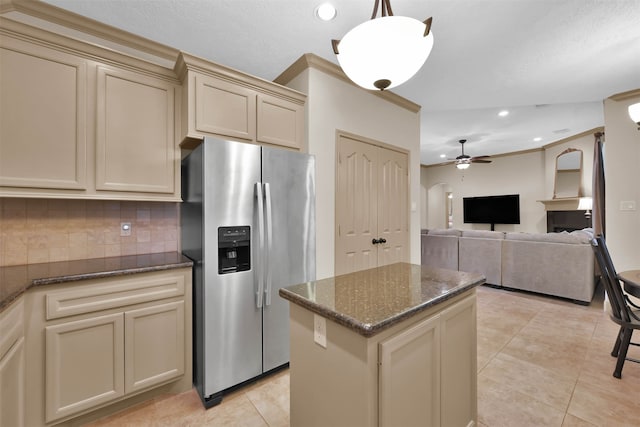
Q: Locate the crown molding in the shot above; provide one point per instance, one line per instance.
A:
(187, 62)
(576, 136)
(34, 35)
(309, 60)
(65, 18)
(626, 95)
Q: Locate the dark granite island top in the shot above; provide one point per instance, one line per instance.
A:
(15, 280)
(373, 300)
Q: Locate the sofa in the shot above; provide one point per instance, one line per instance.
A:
(557, 264)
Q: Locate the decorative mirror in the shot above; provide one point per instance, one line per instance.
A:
(568, 174)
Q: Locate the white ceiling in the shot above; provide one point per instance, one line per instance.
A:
(549, 62)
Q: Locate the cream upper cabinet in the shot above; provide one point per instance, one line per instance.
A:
(223, 102)
(80, 121)
(279, 122)
(43, 129)
(223, 108)
(135, 138)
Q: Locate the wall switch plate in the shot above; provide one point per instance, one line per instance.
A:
(320, 330)
(125, 229)
(628, 205)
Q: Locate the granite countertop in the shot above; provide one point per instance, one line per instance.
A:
(370, 301)
(15, 280)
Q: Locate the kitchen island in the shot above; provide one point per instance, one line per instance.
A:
(388, 346)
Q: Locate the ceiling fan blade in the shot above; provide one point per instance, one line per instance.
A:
(476, 160)
(480, 157)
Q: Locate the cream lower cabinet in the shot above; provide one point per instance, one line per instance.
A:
(428, 372)
(96, 360)
(420, 372)
(84, 364)
(12, 367)
(100, 343)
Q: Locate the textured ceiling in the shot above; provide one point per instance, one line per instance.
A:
(549, 62)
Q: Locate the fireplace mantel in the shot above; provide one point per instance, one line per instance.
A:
(563, 204)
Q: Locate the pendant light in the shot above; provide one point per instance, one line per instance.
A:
(634, 113)
(384, 52)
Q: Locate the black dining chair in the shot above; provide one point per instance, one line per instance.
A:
(623, 311)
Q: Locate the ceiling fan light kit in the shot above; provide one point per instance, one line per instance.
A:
(384, 52)
(634, 113)
(463, 161)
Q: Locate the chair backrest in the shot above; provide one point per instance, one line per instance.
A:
(610, 279)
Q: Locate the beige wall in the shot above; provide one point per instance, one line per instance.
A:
(530, 174)
(41, 230)
(334, 104)
(512, 174)
(622, 176)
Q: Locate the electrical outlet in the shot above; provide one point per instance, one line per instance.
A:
(628, 205)
(125, 229)
(320, 330)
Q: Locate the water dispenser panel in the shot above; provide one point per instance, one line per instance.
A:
(234, 249)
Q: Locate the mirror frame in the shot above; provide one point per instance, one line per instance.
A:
(555, 180)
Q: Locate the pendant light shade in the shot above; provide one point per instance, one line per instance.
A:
(634, 113)
(384, 52)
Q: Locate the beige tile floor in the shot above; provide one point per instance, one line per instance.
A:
(541, 362)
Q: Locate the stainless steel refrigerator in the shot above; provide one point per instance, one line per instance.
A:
(248, 223)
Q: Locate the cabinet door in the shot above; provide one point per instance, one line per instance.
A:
(459, 364)
(12, 383)
(84, 364)
(12, 366)
(42, 125)
(409, 376)
(154, 347)
(280, 122)
(135, 142)
(224, 108)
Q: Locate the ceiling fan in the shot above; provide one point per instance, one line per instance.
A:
(463, 161)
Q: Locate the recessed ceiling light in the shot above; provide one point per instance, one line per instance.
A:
(326, 12)
(503, 113)
(442, 156)
(537, 139)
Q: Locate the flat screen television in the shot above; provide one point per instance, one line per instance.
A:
(492, 210)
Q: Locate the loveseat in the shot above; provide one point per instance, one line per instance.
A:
(558, 264)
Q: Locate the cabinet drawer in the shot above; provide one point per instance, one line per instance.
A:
(116, 293)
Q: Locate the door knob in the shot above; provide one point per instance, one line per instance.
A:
(375, 241)
(382, 240)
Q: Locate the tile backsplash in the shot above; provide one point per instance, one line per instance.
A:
(48, 230)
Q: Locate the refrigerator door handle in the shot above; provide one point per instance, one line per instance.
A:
(260, 270)
(269, 238)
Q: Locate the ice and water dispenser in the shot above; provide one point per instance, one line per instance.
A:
(234, 249)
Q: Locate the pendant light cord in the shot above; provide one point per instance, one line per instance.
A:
(386, 8)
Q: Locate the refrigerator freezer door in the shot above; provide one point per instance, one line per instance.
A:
(290, 178)
(232, 320)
